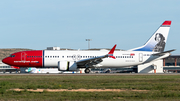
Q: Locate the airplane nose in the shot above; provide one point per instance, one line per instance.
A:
(5, 60)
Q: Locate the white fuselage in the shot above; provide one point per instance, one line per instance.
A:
(123, 58)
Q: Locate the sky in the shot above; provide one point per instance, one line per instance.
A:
(38, 24)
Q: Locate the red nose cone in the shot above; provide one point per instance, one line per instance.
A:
(4, 60)
(8, 61)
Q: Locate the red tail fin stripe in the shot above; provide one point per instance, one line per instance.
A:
(167, 23)
(112, 50)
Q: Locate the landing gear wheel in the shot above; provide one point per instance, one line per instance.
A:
(87, 70)
(19, 71)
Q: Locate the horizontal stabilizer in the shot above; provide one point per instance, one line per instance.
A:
(162, 53)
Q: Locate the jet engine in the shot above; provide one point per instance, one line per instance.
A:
(67, 66)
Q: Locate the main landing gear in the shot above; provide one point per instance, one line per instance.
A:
(87, 70)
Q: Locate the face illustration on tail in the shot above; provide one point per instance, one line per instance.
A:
(160, 39)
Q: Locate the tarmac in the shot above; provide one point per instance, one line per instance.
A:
(82, 74)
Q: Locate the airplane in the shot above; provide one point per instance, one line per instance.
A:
(47, 70)
(72, 60)
(36, 70)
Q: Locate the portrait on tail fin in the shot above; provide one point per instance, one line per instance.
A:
(160, 39)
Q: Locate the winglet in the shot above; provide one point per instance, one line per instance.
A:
(111, 52)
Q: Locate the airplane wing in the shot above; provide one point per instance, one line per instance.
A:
(95, 60)
(162, 53)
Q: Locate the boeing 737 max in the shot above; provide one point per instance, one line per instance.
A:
(70, 60)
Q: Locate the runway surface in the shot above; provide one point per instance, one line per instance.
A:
(1, 74)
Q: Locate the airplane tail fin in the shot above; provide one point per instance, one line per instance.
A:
(158, 40)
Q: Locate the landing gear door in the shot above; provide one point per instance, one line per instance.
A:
(23, 56)
(140, 57)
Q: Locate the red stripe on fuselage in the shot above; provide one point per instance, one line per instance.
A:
(26, 59)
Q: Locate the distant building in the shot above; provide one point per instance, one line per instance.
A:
(6, 68)
(172, 64)
(53, 48)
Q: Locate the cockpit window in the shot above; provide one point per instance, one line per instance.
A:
(12, 56)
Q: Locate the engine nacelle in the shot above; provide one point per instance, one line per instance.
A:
(67, 66)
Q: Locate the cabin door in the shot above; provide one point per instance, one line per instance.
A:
(23, 56)
(140, 57)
